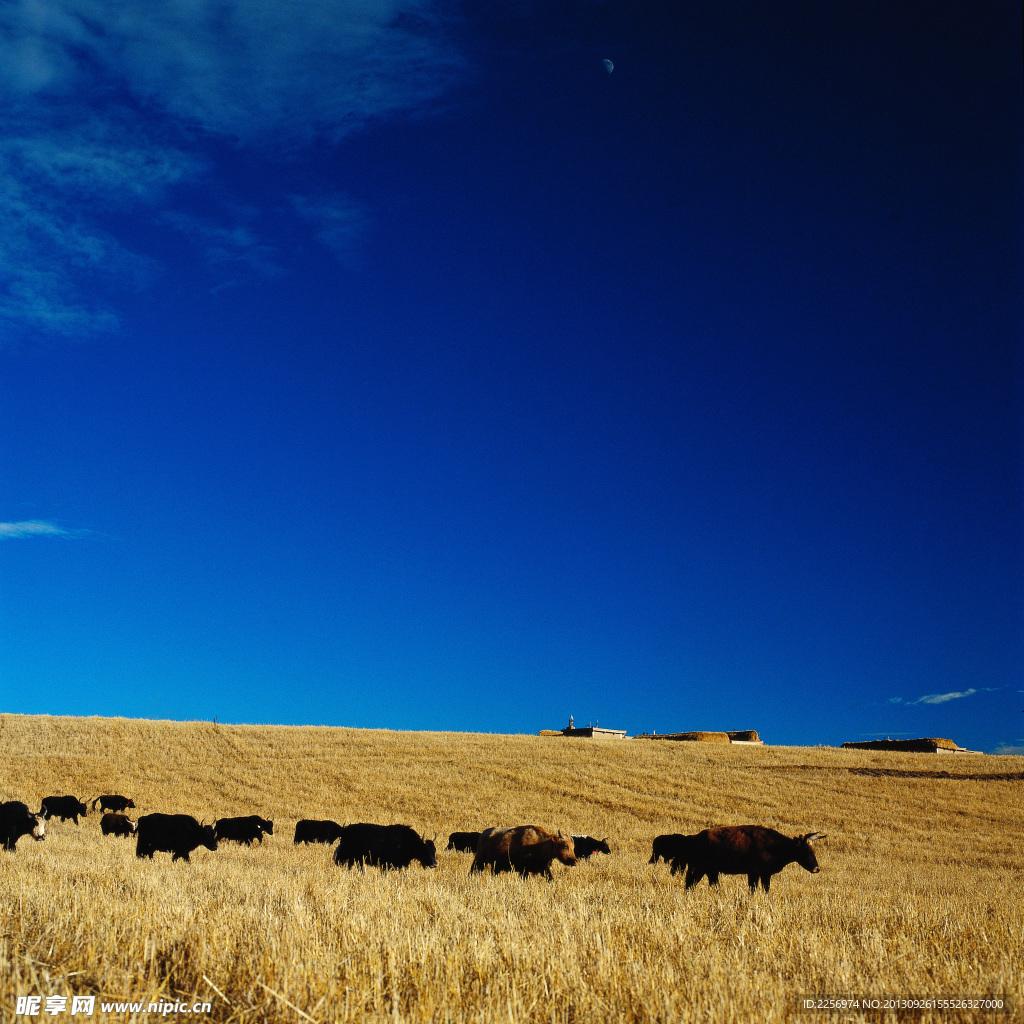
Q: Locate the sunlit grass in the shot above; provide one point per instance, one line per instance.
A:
(920, 891)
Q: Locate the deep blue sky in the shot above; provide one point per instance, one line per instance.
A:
(395, 364)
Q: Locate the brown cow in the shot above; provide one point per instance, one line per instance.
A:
(750, 850)
(528, 849)
(117, 825)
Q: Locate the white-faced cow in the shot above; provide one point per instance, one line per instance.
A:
(310, 830)
(16, 820)
(243, 830)
(586, 846)
(117, 825)
(64, 807)
(528, 849)
(113, 802)
(750, 850)
(463, 842)
(176, 834)
(383, 846)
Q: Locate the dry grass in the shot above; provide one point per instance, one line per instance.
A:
(920, 892)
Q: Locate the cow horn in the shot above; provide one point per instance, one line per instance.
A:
(813, 836)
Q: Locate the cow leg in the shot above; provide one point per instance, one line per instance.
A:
(752, 881)
(712, 878)
(766, 882)
(693, 876)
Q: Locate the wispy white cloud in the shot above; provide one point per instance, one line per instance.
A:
(264, 75)
(1008, 748)
(36, 528)
(245, 68)
(51, 256)
(338, 222)
(224, 244)
(942, 698)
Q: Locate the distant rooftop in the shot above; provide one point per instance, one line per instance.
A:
(594, 732)
(924, 745)
(742, 736)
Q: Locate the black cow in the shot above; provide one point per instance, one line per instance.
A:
(383, 846)
(113, 802)
(243, 830)
(311, 831)
(463, 842)
(177, 834)
(16, 820)
(117, 825)
(64, 807)
(750, 850)
(585, 846)
(669, 847)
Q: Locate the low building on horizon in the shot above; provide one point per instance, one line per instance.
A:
(923, 745)
(742, 737)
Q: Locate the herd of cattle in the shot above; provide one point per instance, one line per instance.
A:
(751, 850)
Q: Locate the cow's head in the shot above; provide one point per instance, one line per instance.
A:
(805, 852)
(131, 803)
(133, 826)
(82, 809)
(603, 847)
(267, 826)
(207, 837)
(564, 850)
(38, 827)
(428, 853)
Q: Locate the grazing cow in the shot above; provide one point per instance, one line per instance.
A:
(383, 846)
(463, 842)
(669, 848)
(177, 834)
(118, 825)
(585, 846)
(749, 850)
(528, 849)
(113, 802)
(243, 830)
(63, 807)
(16, 820)
(310, 830)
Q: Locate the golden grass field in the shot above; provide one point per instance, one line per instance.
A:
(921, 889)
